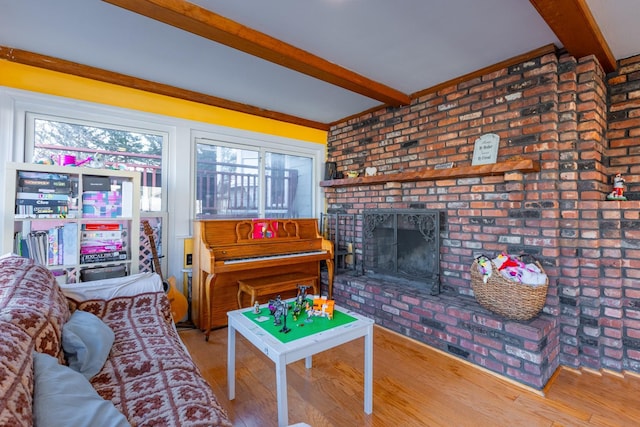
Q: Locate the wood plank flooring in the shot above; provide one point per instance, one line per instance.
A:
(414, 385)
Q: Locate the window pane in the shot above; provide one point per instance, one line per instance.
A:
(101, 147)
(288, 186)
(227, 182)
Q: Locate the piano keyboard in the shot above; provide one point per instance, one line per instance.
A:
(263, 258)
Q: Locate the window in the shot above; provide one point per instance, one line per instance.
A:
(65, 141)
(234, 181)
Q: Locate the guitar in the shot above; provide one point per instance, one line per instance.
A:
(178, 301)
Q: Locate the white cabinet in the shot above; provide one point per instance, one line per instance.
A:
(82, 223)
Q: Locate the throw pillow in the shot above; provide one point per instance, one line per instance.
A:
(107, 289)
(86, 341)
(63, 398)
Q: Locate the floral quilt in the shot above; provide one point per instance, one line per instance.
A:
(32, 312)
(149, 375)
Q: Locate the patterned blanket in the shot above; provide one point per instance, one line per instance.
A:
(32, 312)
(149, 375)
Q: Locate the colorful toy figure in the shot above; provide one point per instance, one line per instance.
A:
(618, 189)
(298, 304)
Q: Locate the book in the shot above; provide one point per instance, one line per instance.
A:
(44, 185)
(37, 246)
(94, 249)
(52, 246)
(21, 195)
(42, 175)
(41, 202)
(102, 226)
(56, 190)
(127, 198)
(103, 257)
(70, 245)
(106, 204)
(107, 211)
(101, 234)
(38, 211)
(96, 183)
(264, 228)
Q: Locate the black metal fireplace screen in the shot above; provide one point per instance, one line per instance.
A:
(403, 244)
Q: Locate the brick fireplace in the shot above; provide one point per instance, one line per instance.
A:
(578, 127)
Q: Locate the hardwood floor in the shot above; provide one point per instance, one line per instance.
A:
(414, 385)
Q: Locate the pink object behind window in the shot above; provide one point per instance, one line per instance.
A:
(66, 159)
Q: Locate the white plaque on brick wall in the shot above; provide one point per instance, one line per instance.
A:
(485, 150)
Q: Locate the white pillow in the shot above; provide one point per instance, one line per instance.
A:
(86, 341)
(9, 255)
(107, 289)
(62, 398)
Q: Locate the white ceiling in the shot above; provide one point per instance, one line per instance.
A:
(408, 45)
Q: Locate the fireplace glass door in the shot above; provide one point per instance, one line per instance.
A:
(403, 245)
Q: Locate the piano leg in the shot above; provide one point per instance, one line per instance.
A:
(208, 284)
(330, 273)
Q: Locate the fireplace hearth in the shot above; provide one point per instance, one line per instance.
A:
(403, 246)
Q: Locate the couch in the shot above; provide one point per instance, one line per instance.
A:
(102, 353)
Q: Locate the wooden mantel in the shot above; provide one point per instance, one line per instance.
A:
(523, 165)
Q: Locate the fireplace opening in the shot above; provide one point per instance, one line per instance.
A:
(403, 245)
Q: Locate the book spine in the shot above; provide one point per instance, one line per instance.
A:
(42, 211)
(51, 183)
(44, 190)
(70, 250)
(102, 226)
(41, 196)
(42, 176)
(42, 202)
(60, 231)
(29, 185)
(100, 248)
(52, 252)
(103, 257)
(101, 235)
(110, 211)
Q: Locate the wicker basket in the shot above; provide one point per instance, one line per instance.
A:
(513, 300)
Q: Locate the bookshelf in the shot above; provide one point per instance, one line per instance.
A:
(81, 223)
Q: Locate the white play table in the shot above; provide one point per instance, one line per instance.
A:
(303, 348)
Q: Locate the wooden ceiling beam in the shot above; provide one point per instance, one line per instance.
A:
(202, 22)
(80, 70)
(574, 25)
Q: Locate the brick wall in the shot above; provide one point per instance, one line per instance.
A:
(553, 110)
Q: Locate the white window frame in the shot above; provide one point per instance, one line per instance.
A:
(30, 118)
(262, 145)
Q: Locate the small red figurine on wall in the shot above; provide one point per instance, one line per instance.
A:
(618, 189)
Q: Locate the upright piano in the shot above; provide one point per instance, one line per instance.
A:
(226, 250)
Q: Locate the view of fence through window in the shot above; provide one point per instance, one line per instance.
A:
(229, 183)
(104, 147)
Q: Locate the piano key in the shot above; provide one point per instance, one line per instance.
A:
(270, 257)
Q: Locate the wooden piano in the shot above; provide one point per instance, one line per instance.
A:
(226, 250)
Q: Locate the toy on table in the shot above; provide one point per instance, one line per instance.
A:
(322, 307)
(278, 309)
(299, 304)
